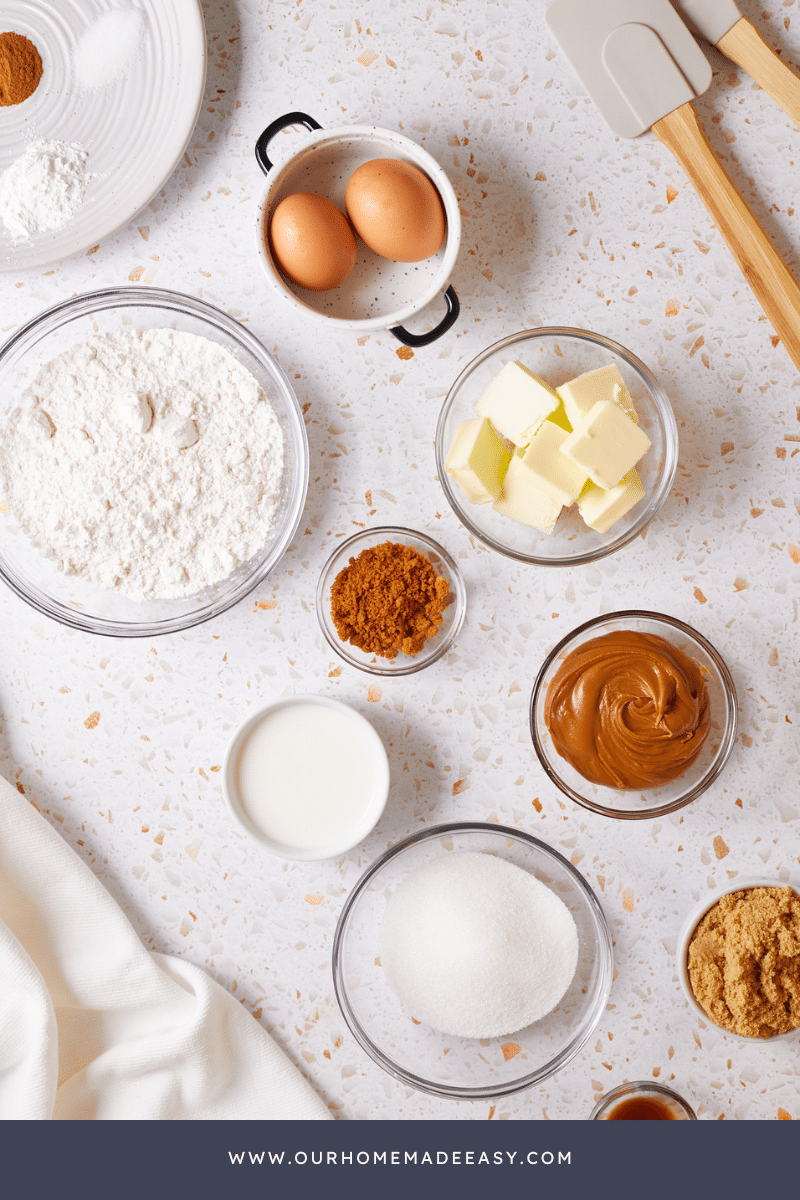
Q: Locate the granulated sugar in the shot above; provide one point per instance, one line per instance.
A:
(477, 947)
(109, 46)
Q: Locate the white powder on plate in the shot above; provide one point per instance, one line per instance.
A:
(146, 462)
(43, 188)
(477, 947)
(108, 47)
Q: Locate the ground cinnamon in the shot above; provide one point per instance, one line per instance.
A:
(389, 600)
(20, 68)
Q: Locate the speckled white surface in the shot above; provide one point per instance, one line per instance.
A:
(120, 743)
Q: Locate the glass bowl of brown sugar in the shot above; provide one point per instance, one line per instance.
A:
(390, 601)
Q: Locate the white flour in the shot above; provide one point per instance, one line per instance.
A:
(43, 188)
(146, 462)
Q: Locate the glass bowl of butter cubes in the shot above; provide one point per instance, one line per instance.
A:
(556, 446)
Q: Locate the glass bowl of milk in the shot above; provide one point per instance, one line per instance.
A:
(307, 777)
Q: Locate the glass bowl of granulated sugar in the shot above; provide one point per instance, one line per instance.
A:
(153, 462)
(472, 961)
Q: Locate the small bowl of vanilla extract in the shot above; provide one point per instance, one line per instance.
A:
(642, 1100)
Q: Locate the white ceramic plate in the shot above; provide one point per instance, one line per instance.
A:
(135, 129)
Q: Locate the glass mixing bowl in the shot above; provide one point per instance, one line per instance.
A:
(442, 1064)
(86, 606)
(699, 775)
(557, 354)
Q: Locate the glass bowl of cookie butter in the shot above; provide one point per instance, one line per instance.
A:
(390, 601)
(633, 714)
(738, 959)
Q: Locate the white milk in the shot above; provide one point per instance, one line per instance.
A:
(306, 774)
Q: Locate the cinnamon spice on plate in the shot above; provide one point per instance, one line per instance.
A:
(20, 68)
(388, 600)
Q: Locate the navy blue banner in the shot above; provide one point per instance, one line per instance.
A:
(569, 1159)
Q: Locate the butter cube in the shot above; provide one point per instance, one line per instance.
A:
(555, 475)
(581, 394)
(601, 508)
(559, 417)
(516, 402)
(606, 444)
(477, 460)
(522, 500)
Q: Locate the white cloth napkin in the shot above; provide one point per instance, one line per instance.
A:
(93, 1025)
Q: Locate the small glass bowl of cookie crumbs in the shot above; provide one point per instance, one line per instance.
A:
(390, 601)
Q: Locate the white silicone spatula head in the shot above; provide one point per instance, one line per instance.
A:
(630, 100)
(645, 72)
(710, 18)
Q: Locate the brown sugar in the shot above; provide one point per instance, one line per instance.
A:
(744, 962)
(20, 68)
(389, 600)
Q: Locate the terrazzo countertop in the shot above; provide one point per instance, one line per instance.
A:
(119, 743)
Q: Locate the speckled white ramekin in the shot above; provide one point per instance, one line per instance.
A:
(379, 293)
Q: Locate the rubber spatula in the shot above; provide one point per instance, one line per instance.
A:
(721, 23)
(639, 62)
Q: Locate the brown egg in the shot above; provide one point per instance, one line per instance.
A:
(395, 209)
(311, 241)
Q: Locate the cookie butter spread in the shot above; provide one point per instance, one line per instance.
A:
(628, 710)
(744, 961)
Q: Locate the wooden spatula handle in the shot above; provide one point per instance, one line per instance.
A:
(745, 46)
(771, 280)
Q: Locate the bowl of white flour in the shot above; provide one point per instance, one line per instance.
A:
(153, 462)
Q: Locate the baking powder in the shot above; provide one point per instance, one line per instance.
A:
(146, 462)
(43, 188)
